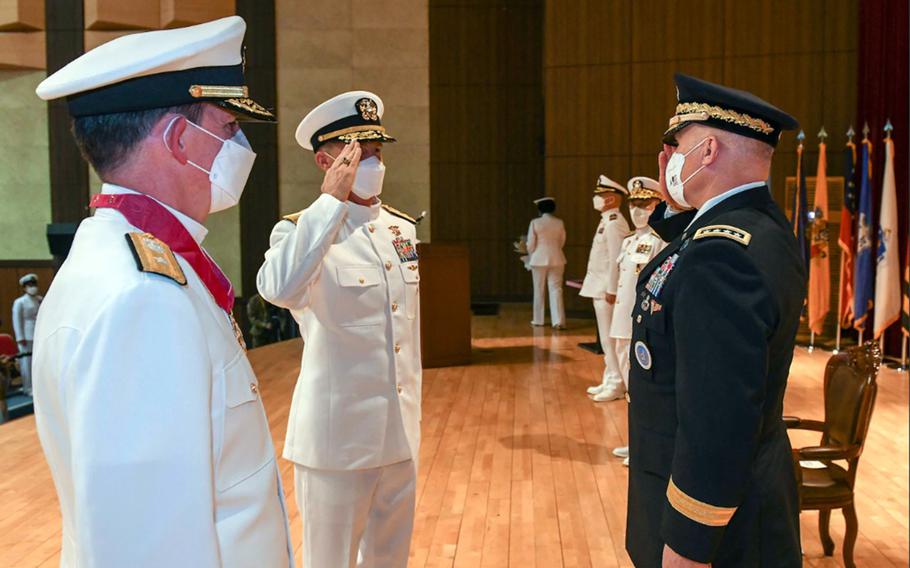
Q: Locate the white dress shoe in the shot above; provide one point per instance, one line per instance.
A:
(607, 394)
(595, 389)
(622, 452)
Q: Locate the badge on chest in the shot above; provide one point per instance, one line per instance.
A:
(659, 277)
(406, 250)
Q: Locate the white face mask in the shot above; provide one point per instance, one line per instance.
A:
(640, 216)
(31, 290)
(368, 178)
(599, 202)
(676, 185)
(230, 169)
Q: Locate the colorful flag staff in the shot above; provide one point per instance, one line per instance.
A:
(863, 269)
(847, 241)
(800, 220)
(887, 266)
(819, 261)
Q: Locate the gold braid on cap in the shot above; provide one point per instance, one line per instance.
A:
(686, 112)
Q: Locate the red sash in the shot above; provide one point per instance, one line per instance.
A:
(149, 216)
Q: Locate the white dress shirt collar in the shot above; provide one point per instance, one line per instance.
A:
(725, 195)
(196, 229)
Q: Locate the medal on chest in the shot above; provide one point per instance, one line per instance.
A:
(659, 277)
(406, 250)
(643, 248)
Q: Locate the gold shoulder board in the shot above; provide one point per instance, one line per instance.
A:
(153, 255)
(292, 217)
(399, 214)
(724, 231)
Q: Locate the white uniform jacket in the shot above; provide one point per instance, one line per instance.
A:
(603, 271)
(150, 418)
(349, 275)
(546, 237)
(25, 311)
(637, 250)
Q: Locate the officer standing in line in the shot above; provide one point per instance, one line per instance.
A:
(711, 481)
(546, 237)
(147, 408)
(602, 278)
(347, 268)
(637, 251)
(25, 312)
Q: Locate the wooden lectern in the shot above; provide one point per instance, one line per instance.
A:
(445, 304)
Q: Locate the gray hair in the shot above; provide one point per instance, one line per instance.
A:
(107, 141)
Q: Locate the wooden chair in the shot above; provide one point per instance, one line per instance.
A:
(850, 390)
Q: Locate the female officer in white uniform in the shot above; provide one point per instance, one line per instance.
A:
(546, 237)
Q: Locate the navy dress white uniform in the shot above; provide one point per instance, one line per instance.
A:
(714, 327)
(602, 279)
(636, 252)
(25, 312)
(147, 408)
(546, 237)
(350, 276)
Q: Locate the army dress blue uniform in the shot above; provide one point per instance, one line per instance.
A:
(712, 345)
(714, 325)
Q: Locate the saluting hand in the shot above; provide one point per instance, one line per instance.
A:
(662, 158)
(339, 178)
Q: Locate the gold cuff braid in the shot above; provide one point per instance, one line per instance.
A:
(700, 512)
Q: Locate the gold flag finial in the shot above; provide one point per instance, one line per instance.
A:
(822, 134)
(850, 133)
(888, 128)
(866, 131)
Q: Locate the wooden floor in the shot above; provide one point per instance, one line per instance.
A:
(515, 467)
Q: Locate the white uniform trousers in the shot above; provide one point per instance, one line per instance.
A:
(622, 356)
(356, 518)
(548, 277)
(603, 311)
(25, 367)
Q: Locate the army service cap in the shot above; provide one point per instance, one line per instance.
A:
(740, 112)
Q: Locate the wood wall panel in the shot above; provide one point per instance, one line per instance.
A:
(178, 13)
(801, 56)
(21, 15)
(486, 128)
(22, 50)
(666, 29)
(122, 14)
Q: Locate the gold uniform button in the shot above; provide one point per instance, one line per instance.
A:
(397, 348)
(388, 265)
(394, 307)
(400, 390)
(254, 389)
(371, 228)
(638, 319)
(361, 280)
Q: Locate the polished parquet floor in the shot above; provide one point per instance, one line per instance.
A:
(515, 466)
